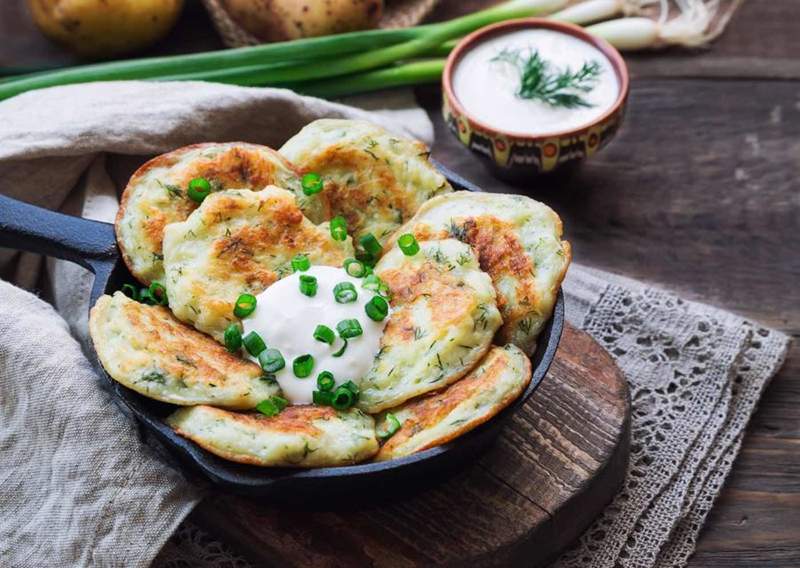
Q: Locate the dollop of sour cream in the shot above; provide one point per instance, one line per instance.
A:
(286, 319)
(487, 89)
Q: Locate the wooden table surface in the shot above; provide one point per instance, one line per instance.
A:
(700, 193)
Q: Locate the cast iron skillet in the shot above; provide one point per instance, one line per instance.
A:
(92, 245)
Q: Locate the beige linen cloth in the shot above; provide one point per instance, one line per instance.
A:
(78, 487)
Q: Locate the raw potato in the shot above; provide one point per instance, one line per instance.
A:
(280, 20)
(105, 28)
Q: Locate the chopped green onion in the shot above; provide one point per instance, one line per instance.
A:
(130, 291)
(353, 388)
(199, 189)
(272, 406)
(158, 293)
(233, 338)
(254, 344)
(392, 426)
(146, 297)
(367, 259)
(341, 351)
(349, 328)
(374, 283)
(345, 293)
(342, 398)
(325, 381)
(271, 360)
(312, 183)
(355, 268)
(408, 244)
(322, 398)
(308, 285)
(245, 305)
(377, 308)
(300, 263)
(338, 228)
(302, 366)
(371, 245)
(324, 334)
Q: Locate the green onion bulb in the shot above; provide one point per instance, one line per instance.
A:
(349, 328)
(355, 268)
(408, 244)
(324, 334)
(300, 263)
(233, 338)
(271, 360)
(272, 406)
(325, 381)
(308, 285)
(254, 344)
(338, 228)
(199, 189)
(303, 365)
(377, 308)
(345, 293)
(312, 183)
(245, 305)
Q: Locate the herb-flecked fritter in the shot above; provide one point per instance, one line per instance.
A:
(433, 420)
(300, 436)
(146, 349)
(156, 194)
(239, 241)
(518, 243)
(374, 179)
(442, 322)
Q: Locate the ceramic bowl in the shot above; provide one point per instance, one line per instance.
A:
(511, 155)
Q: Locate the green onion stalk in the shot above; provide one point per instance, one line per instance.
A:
(290, 62)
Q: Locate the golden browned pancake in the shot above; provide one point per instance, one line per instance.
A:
(518, 242)
(156, 194)
(374, 179)
(300, 436)
(146, 349)
(436, 419)
(442, 322)
(239, 241)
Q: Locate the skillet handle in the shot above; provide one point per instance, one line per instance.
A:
(34, 229)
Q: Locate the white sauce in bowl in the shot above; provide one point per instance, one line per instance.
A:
(286, 319)
(487, 89)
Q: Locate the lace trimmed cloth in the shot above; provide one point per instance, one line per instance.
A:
(695, 373)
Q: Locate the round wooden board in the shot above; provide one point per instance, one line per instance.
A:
(558, 462)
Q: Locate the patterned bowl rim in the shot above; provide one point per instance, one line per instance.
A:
(611, 53)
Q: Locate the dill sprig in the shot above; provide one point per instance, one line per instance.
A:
(539, 80)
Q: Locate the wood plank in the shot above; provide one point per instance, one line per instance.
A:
(699, 193)
(524, 501)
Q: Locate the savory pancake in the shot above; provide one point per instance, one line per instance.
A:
(300, 436)
(518, 242)
(443, 319)
(156, 194)
(239, 241)
(436, 419)
(146, 349)
(374, 179)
